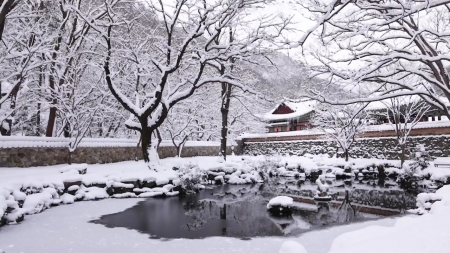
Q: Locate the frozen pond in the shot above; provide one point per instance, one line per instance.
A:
(240, 211)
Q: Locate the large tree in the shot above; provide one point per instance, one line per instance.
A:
(381, 49)
(153, 64)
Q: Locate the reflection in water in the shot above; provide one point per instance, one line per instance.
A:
(240, 211)
(235, 211)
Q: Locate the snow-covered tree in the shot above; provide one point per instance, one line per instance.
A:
(72, 40)
(23, 42)
(366, 45)
(404, 113)
(183, 122)
(341, 124)
(6, 7)
(153, 64)
(79, 110)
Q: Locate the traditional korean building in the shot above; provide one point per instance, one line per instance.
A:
(289, 116)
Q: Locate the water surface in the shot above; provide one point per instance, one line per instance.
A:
(240, 210)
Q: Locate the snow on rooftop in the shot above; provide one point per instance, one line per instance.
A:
(300, 108)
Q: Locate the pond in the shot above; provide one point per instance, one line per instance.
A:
(240, 210)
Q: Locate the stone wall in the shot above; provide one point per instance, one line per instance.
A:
(383, 147)
(303, 135)
(42, 156)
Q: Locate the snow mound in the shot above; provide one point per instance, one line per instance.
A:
(292, 247)
(78, 168)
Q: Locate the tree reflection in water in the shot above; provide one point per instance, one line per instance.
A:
(240, 211)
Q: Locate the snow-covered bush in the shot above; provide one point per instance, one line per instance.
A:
(191, 177)
(414, 171)
(268, 167)
(422, 159)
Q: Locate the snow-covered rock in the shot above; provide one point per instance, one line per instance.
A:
(93, 193)
(67, 198)
(15, 216)
(38, 202)
(280, 201)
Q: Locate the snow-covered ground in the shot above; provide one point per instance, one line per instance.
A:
(48, 186)
(66, 229)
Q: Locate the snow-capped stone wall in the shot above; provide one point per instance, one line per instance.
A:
(42, 151)
(383, 147)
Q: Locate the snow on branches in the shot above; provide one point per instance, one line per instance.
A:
(403, 113)
(383, 49)
(159, 54)
(341, 124)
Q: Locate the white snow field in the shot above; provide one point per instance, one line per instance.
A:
(66, 228)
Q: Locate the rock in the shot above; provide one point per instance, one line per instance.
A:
(148, 184)
(2, 223)
(110, 191)
(69, 184)
(280, 206)
(279, 210)
(72, 190)
(179, 189)
(119, 188)
(137, 183)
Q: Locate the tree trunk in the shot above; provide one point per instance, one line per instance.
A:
(226, 93)
(146, 139)
(179, 150)
(66, 130)
(402, 155)
(38, 120)
(51, 122)
(226, 98)
(158, 135)
(346, 155)
(69, 158)
(8, 6)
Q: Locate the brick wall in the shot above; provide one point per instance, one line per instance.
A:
(42, 156)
